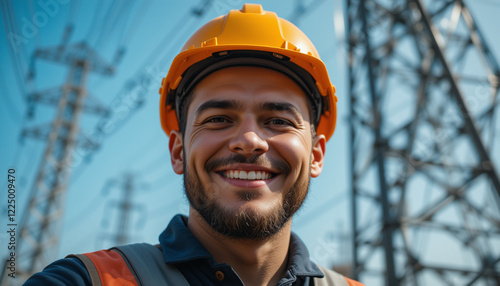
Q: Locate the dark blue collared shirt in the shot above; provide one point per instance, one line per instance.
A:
(183, 250)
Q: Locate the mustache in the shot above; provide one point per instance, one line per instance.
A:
(280, 166)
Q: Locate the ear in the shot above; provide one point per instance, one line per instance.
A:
(318, 155)
(176, 147)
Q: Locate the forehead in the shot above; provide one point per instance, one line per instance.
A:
(249, 85)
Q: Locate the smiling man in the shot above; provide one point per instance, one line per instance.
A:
(248, 137)
(248, 107)
(247, 153)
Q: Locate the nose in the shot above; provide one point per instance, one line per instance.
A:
(247, 141)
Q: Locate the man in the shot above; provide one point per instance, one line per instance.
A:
(248, 108)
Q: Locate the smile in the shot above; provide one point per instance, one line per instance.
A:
(244, 175)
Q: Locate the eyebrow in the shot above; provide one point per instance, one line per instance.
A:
(217, 104)
(234, 105)
(283, 107)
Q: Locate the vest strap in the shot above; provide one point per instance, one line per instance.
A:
(149, 265)
(94, 275)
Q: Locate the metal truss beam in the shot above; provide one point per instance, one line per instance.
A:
(423, 87)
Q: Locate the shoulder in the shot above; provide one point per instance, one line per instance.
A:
(333, 278)
(67, 271)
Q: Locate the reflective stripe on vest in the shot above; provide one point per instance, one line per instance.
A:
(107, 267)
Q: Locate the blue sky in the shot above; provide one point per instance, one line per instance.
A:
(134, 141)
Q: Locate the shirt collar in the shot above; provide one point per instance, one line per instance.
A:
(299, 263)
(180, 245)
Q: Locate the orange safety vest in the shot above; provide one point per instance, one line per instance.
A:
(142, 264)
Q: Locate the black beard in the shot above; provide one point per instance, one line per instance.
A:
(244, 224)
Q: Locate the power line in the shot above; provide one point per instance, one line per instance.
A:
(495, 3)
(301, 10)
(14, 28)
(161, 210)
(120, 13)
(9, 105)
(305, 220)
(73, 11)
(139, 17)
(15, 51)
(159, 160)
(162, 181)
(82, 214)
(128, 87)
(97, 19)
(137, 86)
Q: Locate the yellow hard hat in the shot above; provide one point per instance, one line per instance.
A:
(251, 37)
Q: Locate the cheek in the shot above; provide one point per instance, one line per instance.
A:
(295, 151)
(201, 148)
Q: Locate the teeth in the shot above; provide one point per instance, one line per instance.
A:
(251, 175)
(258, 176)
(244, 175)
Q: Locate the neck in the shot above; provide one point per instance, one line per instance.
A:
(257, 262)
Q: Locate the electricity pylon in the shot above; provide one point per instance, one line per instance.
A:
(124, 206)
(40, 228)
(423, 88)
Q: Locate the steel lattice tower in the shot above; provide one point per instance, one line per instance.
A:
(40, 229)
(124, 208)
(423, 88)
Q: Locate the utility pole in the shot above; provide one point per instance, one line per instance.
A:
(40, 228)
(424, 88)
(124, 207)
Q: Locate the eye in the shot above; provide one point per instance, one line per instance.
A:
(216, 119)
(279, 122)
(217, 122)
